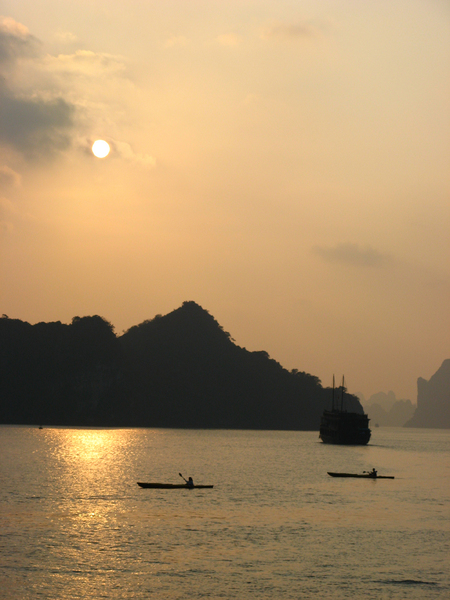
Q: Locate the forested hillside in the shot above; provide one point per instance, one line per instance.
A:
(178, 370)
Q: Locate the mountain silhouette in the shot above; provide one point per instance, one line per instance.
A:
(384, 409)
(433, 400)
(180, 370)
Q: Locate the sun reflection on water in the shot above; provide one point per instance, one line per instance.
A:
(91, 444)
(85, 464)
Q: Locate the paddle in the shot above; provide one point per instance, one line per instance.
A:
(189, 483)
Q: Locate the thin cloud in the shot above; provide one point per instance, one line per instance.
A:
(228, 39)
(119, 149)
(289, 31)
(353, 255)
(65, 37)
(179, 40)
(32, 125)
(86, 62)
(125, 151)
(47, 100)
(42, 97)
(16, 41)
(8, 177)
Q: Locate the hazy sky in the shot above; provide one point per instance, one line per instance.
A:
(283, 163)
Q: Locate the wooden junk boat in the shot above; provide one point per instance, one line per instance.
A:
(338, 426)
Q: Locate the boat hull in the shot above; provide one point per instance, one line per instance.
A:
(347, 428)
(172, 486)
(361, 475)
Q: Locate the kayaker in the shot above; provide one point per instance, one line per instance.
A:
(189, 482)
(373, 473)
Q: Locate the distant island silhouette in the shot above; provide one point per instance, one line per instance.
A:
(433, 400)
(386, 410)
(181, 370)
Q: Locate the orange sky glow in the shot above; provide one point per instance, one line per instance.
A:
(283, 163)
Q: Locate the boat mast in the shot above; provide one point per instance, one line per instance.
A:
(342, 395)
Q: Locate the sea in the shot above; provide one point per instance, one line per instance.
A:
(74, 523)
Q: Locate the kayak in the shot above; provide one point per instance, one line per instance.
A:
(362, 475)
(172, 486)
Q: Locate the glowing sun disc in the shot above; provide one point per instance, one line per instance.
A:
(100, 148)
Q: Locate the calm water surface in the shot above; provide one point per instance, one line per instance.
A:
(74, 524)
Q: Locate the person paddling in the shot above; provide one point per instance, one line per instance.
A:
(373, 473)
(189, 482)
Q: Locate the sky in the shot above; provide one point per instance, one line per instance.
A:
(283, 163)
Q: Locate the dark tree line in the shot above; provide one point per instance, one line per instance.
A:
(178, 370)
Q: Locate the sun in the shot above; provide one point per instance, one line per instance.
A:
(100, 148)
